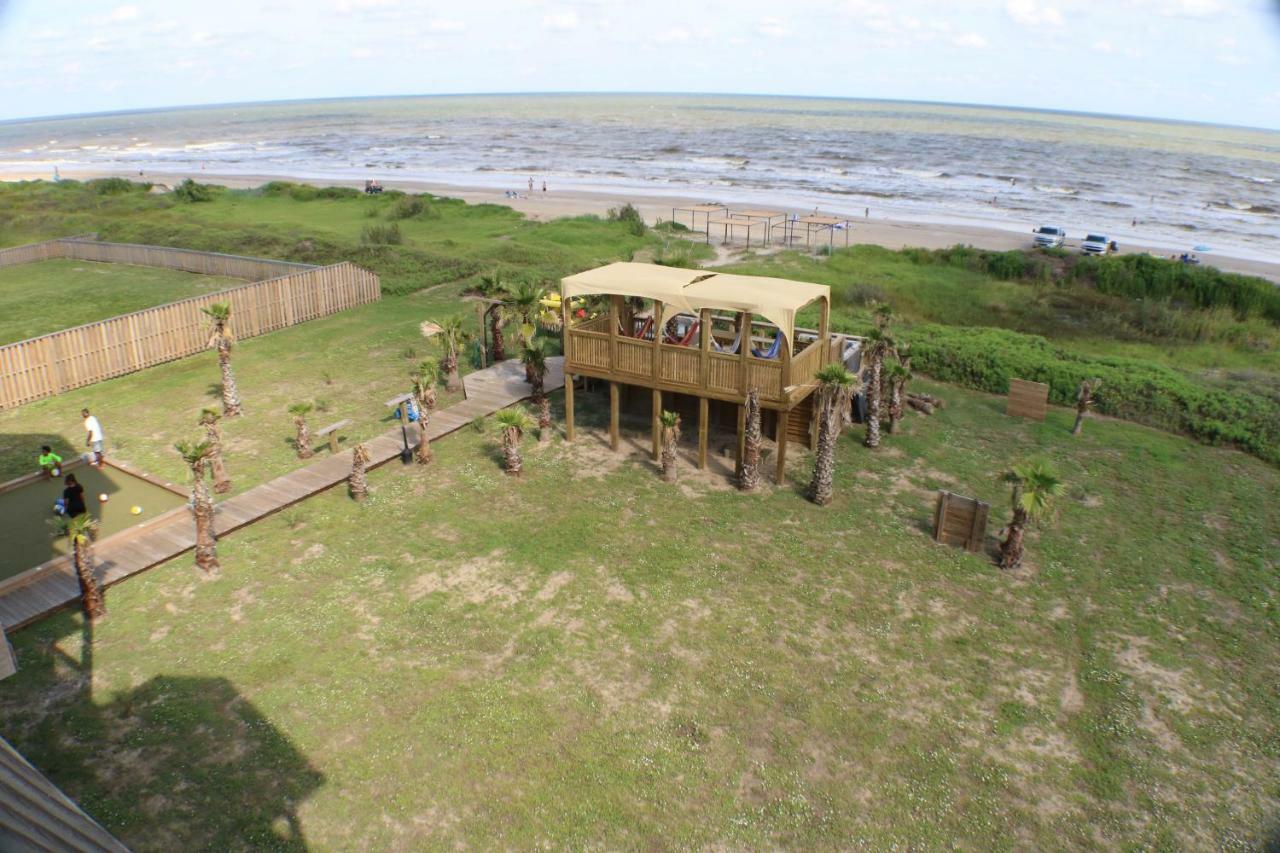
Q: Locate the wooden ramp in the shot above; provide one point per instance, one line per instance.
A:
(487, 391)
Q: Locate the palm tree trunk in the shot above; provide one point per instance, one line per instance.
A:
(873, 402)
(1011, 549)
(90, 591)
(895, 407)
(822, 487)
(495, 327)
(423, 453)
(511, 452)
(670, 435)
(749, 480)
(304, 439)
(449, 364)
(358, 481)
(544, 417)
(429, 399)
(202, 509)
(221, 481)
(230, 393)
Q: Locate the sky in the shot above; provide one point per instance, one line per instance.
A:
(1199, 60)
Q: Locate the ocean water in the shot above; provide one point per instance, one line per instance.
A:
(1178, 184)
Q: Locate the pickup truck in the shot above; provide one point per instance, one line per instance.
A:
(1049, 237)
(1096, 244)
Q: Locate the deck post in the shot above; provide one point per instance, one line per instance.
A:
(613, 332)
(824, 332)
(656, 423)
(744, 350)
(658, 325)
(780, 437)
(568, 407)
(704, 346)
(703, 413)
(613, 416)
(785, 356)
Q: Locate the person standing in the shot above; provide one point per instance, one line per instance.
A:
(93, 436)
(531, 184)
(544, 186)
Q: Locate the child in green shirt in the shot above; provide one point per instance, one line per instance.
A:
(50, 462)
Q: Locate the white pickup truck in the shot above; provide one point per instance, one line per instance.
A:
(1097, 244)
(1049, 237)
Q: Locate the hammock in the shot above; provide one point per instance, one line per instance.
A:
(732, 349)
(687, 338)
(773, 350)
(644, 329)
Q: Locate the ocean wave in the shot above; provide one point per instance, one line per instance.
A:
(1049, 188)
(920, 173)
(1261, 180)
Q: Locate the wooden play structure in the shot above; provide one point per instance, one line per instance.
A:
(702, 338)
(962, 521)
(1027, 399)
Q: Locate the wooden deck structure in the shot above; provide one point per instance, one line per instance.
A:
(130, 552)
(625, 348)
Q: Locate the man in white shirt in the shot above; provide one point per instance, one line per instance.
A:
(94, 436)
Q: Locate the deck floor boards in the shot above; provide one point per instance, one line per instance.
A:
(487, 391)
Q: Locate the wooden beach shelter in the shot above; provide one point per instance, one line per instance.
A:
(694, 209)
(705, 338)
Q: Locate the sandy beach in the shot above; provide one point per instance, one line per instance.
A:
(868, 227)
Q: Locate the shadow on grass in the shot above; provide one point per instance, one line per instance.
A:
(176, 762)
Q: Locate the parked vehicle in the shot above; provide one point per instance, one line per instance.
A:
(372, 187)
(1049, 237)
(1096, 244)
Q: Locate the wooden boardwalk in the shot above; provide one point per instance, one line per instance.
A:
(487, 391)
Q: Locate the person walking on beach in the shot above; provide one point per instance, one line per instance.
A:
(93, 436)
(866, 213)
(531, 183)
(544, 186)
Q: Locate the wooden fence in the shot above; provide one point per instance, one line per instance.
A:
(1027, 399)
(187, 260)
(57, 362)
(962, 521)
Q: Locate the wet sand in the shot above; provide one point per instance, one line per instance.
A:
(875, 229)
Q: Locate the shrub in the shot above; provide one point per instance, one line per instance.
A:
(303, 192)
(1139, 391)
(116, 186)
(276, 188)
(629, 216)
(339, 192)
(189, 192)
(381, 235)
(409, 207)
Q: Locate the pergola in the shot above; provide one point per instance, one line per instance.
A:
(816, 224)
(693, 210)
(701, 365)
(764, 216)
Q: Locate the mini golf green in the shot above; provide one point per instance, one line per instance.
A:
(28, 526)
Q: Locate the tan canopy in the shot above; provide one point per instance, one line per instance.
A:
(680, 290)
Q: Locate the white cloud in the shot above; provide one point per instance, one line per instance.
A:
(124, 13)
(1030, 13)
(71, 68)
(772, 27)
(446, 25)
(1103, 46)
(562, 20)
(865, 8)
(673, 35)
(973, 40)
(1192, 8)
(361, 53)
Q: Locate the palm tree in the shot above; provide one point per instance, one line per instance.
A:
(1035, 485)
(535, 360)
(300, 412)
(422, 453)
(358, 482)
(424, 383)
(222, 338)
(452, 338)
(196, 455)
(749, 479)
(81, 530)
(1084, 402)
(896, 378)
(492, 288)
(877, 345)
(836, 387)
(213, 431)
(670, 439)
(524, 301)
(513, 422)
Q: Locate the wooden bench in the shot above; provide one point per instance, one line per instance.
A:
(332, 432)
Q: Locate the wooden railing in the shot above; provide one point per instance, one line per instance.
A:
(72, 358)
(187, 260)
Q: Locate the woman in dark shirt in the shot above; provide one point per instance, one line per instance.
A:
(73, 497)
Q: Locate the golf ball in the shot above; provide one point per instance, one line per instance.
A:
(103, 497)
(135, 510)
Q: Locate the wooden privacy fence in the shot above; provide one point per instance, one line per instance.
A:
(187, 260)
(57, 362)
(1028, 399)
(962, 521)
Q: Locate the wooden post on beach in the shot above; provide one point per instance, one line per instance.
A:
(613, 416)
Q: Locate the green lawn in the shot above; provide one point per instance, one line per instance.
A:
(589, 657)
(44, 297)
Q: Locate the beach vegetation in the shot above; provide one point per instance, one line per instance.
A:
(190, 192)
(381, 235)
(629, 216)
(196, 455)
(117, 186)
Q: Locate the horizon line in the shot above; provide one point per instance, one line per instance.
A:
(633, 93)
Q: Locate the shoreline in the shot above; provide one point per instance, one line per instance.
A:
(891, 232)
